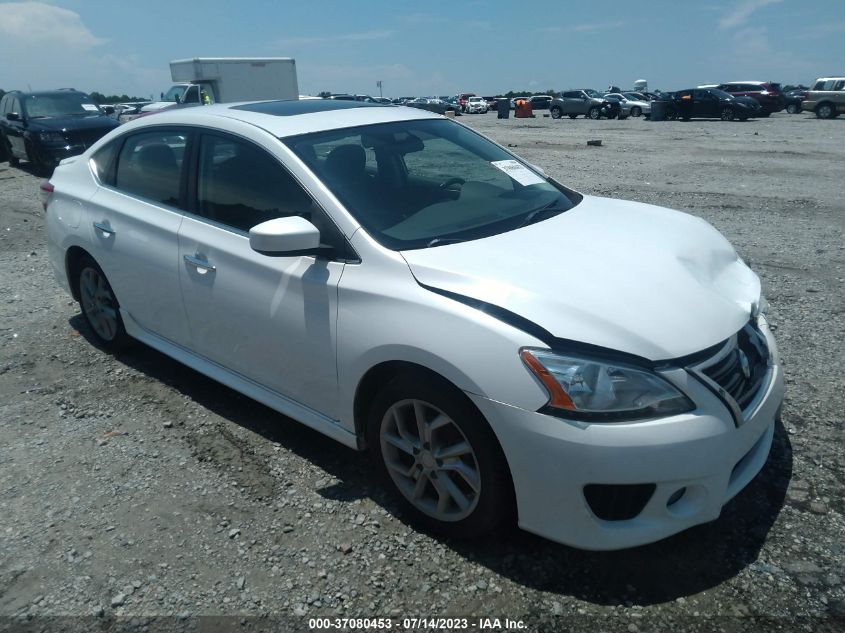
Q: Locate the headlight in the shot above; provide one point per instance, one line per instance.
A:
(52, 137)
(592, 389)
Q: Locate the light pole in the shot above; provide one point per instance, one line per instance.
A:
(378, 83)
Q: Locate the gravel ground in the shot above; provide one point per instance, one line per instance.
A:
(132, 487)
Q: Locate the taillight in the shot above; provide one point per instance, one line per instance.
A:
(46, 192)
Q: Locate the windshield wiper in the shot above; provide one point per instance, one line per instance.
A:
(533, 216)
(444, 240)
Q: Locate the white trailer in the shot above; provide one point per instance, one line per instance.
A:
(207, 80)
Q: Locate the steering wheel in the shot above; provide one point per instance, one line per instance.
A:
(452, 181)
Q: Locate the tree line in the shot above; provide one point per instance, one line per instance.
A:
(98, 97)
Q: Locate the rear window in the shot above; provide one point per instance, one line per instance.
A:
(150, 166)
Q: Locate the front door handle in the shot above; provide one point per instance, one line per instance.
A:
(105, 228)
(201, 265)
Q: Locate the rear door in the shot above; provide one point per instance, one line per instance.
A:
(270, 319)
(705, 104)
(135, 216)
(838, 95)
(14, 129)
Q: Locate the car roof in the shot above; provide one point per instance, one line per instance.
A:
(294, 117)
(39, 93)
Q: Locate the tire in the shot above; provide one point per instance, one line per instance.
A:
(463, 496)
(594, 113)
(38, 165)
(793, 108)
(573, 116)
(636, 111)
(825, 110)
(727, 114)
(671, 114)
(556, 112)
(99, 306)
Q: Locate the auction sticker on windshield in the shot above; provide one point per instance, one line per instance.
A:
(90, 107)
(518, 172)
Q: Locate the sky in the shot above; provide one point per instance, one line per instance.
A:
(424, 48)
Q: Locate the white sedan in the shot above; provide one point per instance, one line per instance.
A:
(630, 106)
(502, 346)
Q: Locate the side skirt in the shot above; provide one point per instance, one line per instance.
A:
(284, 405)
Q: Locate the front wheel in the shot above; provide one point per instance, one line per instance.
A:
(594, 112)
(671, 114)
(727, 114)
(100, 306)
(556, 113)
(34, 159)
(436, 451)
(636, 111)
(793, 108)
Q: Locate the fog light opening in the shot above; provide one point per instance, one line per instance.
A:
(676, 496)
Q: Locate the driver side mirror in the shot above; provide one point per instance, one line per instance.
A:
(13, 116)
(291, 235)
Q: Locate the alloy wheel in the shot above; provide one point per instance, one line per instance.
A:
(98, 303)
(430, 460)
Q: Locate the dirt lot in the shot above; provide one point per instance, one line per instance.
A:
(132, 486)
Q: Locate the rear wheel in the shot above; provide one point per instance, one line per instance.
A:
(556, 113)
(793, 108)
(825, 111)
(671, 114)
(727, 114)
(100, 306)
(437, 452)
(636, 111)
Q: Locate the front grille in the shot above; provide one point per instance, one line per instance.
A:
(86, 137)
(741, 367)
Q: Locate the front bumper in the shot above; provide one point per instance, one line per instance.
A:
(703, 452)
(51, 155)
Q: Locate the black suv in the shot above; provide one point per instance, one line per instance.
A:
(45, 127)
(709, 103)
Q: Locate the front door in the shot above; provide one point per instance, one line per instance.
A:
(270, 319)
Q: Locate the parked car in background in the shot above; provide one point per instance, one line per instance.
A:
(433, 105)
(392, 279)
(515, 99)
(540, 102)
(45, 127)
(463, 98)
(476, 105)
(491, 102)
(586, 102)
(630, 107)
(126, 112)
(767, 93)
(826, 98)
(706, 103)
(794, 98)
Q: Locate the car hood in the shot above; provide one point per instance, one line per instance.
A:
(72, 123)
(622, 275)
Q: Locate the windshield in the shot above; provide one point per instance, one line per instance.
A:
(174, 95)
(59, 104)
(592, 93)
(418, 184)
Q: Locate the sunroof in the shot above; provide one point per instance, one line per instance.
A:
(304, 106)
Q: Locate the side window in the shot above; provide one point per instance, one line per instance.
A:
(241, 185)
(103, 162)
(150, 166)
(192, 95)
(839, 85)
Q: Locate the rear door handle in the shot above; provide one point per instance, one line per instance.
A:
(201, 265)
(105, 228)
